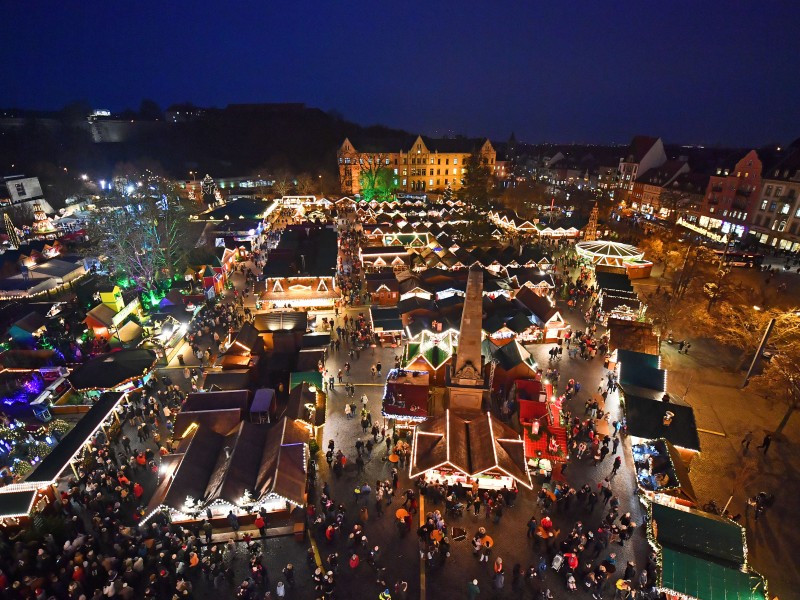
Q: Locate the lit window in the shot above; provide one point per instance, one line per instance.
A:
(455, 161)
(395, 171)
(785, 209)
(430, 182)
(431, 161)
(404, 181)
(782, 226)
(797, 213)
(764, 205)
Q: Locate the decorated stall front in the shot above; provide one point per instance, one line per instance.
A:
(660, 469)
(405, 397)
(544, 429)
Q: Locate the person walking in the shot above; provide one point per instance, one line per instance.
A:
(748, 437)
(765, 444)
(617, 465)
(473, 590)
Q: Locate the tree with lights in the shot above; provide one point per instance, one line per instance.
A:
(208, 186)
(376, 179)
(477, 189)
(142, 234)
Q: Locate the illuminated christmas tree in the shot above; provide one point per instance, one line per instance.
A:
(13, 236)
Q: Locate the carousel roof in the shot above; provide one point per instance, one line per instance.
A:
(606, 249)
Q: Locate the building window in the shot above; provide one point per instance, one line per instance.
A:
(797, 212)
(447, 161)
(395, 171)
(782, 226)
(724, 213)
(793, 229)
(437, 183)
(711, 210)
(431, 182)
(773, 206)
(778, 191)
(438, 161)
(785, 209)
(340, 161)
(387, 161)
(768, 191)
(455, 161)
(431, 173)
(438, 171)
(431, 161)
(764, 204)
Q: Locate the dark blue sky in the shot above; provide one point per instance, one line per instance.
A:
(590, 71)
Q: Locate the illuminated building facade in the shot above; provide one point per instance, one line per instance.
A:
(426, 164)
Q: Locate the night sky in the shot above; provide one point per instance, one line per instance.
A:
(712, 72)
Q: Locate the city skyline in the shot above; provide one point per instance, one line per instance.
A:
(717, 75)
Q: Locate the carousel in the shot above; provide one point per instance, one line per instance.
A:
(615, 257)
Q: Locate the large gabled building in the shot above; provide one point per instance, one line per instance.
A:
(417, 165)
(775, 219)
(730, 198)
(644, 153)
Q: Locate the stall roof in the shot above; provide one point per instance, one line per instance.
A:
(645, 419)
(699, 532)
(221, 420)
(299, 396)
(227, 380)
(107, 371)
(471, 445)
(633, 335)
(247, 341)
(54, 463)
(386, 319)
(220, 400)
(631, 373)
(638, 359)
(16, 504)
(308, 359)
(316, 340)
(701, 578)
(281, 321)
(612, 281)
(262, 400)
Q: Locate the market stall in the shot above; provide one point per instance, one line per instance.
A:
(464, 447)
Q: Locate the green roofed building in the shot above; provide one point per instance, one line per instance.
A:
(702, 555)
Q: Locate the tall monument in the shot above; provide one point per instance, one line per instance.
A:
(465, 377)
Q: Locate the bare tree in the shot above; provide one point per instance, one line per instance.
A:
(281, 182)
(305, 184)
(141, 234)
(781, 379)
